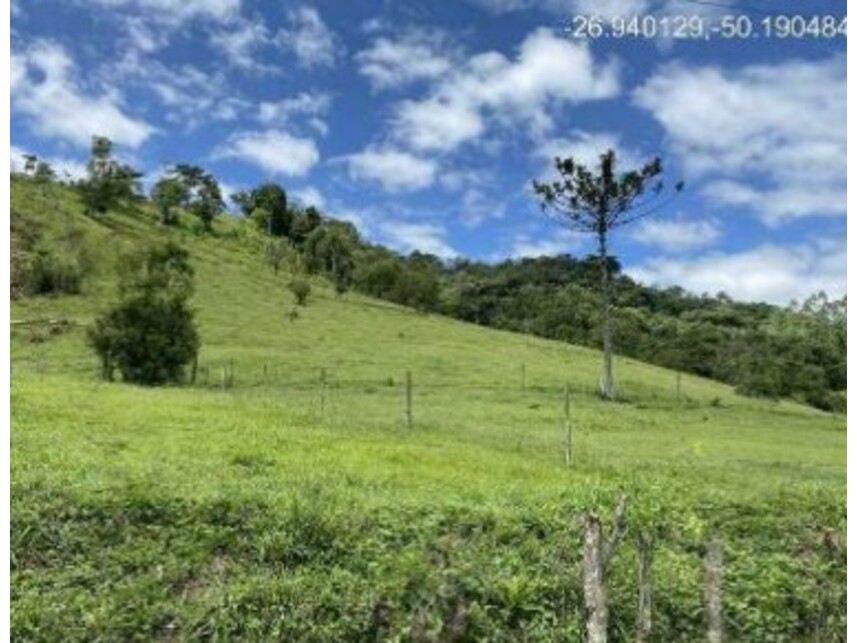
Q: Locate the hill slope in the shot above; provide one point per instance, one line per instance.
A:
(297, 505)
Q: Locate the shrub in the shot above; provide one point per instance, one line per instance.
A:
(50, 273)
(149, 339)
(832, 402)
(150, 336)
(301, 290)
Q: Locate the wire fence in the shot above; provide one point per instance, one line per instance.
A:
(515, 408)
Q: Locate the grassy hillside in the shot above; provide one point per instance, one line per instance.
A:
(297, 505)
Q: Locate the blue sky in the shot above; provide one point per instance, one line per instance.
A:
(424, 122)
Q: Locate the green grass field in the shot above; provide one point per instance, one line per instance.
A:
(285, 508)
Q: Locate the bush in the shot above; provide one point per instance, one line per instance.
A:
(301, 290)
(51, 274)
(832, 402)
(150, 334)
(149, 339)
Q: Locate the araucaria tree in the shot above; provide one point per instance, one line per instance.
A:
(597, 201)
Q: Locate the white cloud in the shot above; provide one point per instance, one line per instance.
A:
(675, 236)
(191, 96)
(309, 38)
(240, 41)
(64, 168)
(772, 136)
(508, 6)
(533, 242)
(548, 71)
(17, 71)
(143, 37)
(395, 170)
(46, 91)
(228, 190)
(359, 218)
(319, 125)
(609, 9)
(772, 273)
(438, 124)
(524, 247)
(586, 148)
(782, 202)
(416, 55)
(424, 237)
(176, 12)
(274, 151)
(304, 104)
(476, 207)
(309, 196)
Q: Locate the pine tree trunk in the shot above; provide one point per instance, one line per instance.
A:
(607, 391)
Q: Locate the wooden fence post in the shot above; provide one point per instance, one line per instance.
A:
(323, 388)
(409, 400)
(567, 409)
(523, 378)
(713, 578)
(597, 556)
(644, 608)
(594, 591)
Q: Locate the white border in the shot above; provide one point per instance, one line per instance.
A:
(5, 374)
(852, 580)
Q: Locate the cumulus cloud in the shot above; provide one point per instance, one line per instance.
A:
(585, 148)
(175, 12)
(273, 151)
(143, 37)
(607, 9)
(191, 97)
(64, 167)
(768, 137)
(309, 196)
(772, 273)
(304, 104)
(240, 43)
(309, 38)
(675, 236)
(415, 55)
(395, 170)
(46, 91)
(525, 247)
(548, 71)
(423, 237)
(610, 9)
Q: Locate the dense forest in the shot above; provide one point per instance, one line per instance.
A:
(763, 350)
